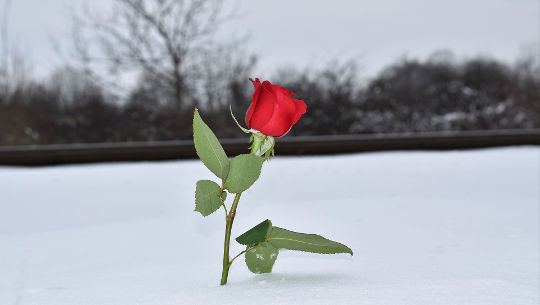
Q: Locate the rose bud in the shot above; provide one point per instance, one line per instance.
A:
(273, 111)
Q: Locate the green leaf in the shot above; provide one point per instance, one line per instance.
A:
(208, 148)
(243, 172)
(261, 259)
(207, 199)
(285, 239)
(264, 242)
(256, 234)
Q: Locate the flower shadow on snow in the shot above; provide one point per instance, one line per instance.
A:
(294, 279)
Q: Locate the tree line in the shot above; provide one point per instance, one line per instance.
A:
(408, 96)
(171, 49)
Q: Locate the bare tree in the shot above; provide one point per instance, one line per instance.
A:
(4, 61)
(14, 67)
(5, 32)
(168, 40)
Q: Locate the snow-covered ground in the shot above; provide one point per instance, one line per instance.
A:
(457, 227)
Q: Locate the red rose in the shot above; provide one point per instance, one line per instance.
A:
(273, 111)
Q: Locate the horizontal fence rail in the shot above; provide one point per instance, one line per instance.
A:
(40, 155)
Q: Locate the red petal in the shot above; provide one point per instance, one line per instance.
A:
(254, 100)
(282, 118)
(285, 91)
(301, 108)
(256, 83)
(272, 110)
(263, 106)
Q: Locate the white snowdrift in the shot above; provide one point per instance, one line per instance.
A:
(426, 228)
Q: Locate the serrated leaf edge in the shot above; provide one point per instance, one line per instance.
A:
(268, 230)
(197, 206)
(314, 244)
(253, 249)
(309, 243)
(230, 178)
(221, 166)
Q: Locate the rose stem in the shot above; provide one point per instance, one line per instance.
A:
(230, 219)
(228, 228)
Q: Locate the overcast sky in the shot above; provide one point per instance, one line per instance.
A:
(304, 32)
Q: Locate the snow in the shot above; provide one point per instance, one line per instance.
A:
(458, 227)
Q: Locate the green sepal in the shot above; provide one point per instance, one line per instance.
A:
(208, 148)
(257, 140)
(238, 124)
(257, 234)
(268, 147)
(244, 171)
(207, 197)
(261, 259)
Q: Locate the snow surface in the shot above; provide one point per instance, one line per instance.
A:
(458, 227)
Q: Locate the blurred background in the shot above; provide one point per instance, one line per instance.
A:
(103, 71)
